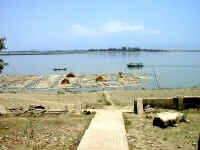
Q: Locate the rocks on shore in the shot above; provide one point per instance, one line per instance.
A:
(86, 112)
(17, 110)
(65, 81)
(149, 109)
(166, 119)
(37, 108)
(120, 74)
(100, 79)
(71, 75)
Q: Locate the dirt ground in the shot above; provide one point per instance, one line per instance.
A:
(126, 97)
(143, 135)
(54, 100)
(16, 81)
(44, 132)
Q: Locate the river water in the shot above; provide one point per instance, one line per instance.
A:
(167, 69)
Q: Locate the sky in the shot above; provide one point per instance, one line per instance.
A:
(85, 24)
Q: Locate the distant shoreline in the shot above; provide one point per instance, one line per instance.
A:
(59, 52)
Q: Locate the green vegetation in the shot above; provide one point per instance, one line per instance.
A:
(60, 92)
(2, 46)
(128, 49)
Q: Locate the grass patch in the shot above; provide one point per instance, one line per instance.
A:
(60, 92)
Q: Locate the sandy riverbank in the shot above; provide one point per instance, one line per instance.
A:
(45, 131)
(120, 98)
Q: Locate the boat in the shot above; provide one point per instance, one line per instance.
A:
(60, 69)
(135, 65)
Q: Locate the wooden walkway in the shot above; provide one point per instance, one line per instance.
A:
(106, 132)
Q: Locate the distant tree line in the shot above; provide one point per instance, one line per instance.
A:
(124, 48)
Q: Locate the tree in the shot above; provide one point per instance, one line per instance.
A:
(2, 46)
(124, 48)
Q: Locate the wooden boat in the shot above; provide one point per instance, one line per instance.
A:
(60, 69)
(135, 65)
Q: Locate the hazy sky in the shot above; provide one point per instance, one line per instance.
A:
(84, 24)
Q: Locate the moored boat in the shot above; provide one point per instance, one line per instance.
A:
(60, 69)
(135, 65)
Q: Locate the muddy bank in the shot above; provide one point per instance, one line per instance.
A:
(89, 82)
